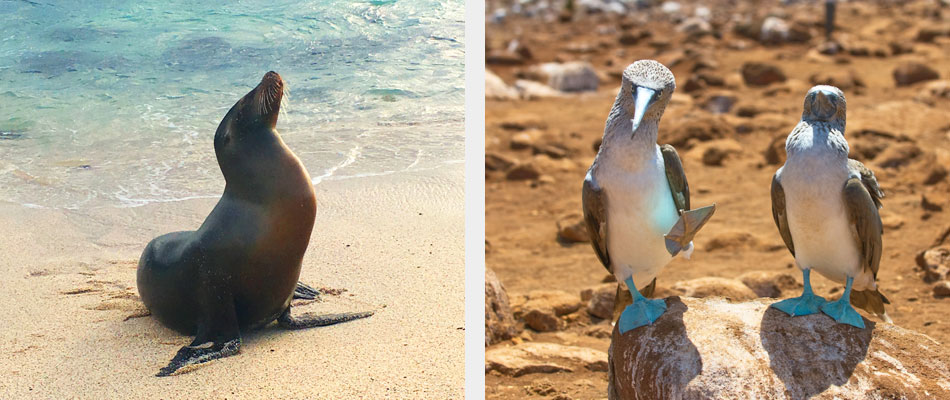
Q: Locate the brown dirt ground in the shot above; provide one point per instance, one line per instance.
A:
(521, 216)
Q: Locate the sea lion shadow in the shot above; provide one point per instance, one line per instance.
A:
(812, 352)
(657, 360)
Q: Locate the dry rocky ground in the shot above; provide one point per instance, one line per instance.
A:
(742, 71)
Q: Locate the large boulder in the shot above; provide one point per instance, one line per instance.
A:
(574, 76)
(713, 349)
(499, 321)
(533, 357)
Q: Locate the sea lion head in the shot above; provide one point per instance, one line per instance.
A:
(256, 111)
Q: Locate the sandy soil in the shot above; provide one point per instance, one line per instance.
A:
(883, 120)
(73, 326)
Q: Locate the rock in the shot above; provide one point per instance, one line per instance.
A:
(543, 307)
(927, 34)
(698, 128)
(719, 103)
(498, 162)
(523, 122)
(575, 76)
(522, 140)
(845, 80)
(713, 286)
(522, 172)
(555, 151)
(929, 205)
(935, 263)
(934, 92)
(897, 155)
(600, 331)
(499, 321)
(601, 304)
(572, 229)
(712, 349)
(536, 357)
(942, 289)
(732, 241)
(773, 284)
(774, 30)
(761, 74)
(503, 57)
(496, 89)
(936, 173)
(910, 73)
(531, 90)
(716, 151)
(694, 27)
(775, 153)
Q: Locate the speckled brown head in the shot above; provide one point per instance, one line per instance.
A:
(825, 103)
(646, 90)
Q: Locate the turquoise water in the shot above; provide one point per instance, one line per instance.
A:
(115, 104)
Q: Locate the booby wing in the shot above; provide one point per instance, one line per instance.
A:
(595, 215)
(676, 177)
(779, 214)
(690, 221)
(868, 179)
(861, 200)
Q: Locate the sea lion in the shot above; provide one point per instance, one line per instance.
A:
(239, 270)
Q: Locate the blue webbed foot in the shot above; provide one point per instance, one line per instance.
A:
(642, 312)
(843, 313)
(807, 303)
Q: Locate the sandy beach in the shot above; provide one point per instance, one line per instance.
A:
(726, 131)
(73, 326)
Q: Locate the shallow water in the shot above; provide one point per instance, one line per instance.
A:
(108, 104)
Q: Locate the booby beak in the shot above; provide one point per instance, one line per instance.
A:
(643, 99)
(823, 107)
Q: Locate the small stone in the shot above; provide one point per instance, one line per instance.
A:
(761, 74)
(775, 153)
(551, 150)
(845, 80)
(938, 173)
(575, 76)
(601, 304)
(910, 73)
(498, 162)
(499, 320)
(521, 141)
(572, 229)
(942, 289)
(732, 241)
(928, 205)
(700, 128)
(522, 172)
(719, 103)
(770, 283)
(495, 88)
(897, 155)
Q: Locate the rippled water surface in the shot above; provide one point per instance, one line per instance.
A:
(115, 103)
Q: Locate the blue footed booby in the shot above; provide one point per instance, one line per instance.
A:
(635, 195)
(825, 206)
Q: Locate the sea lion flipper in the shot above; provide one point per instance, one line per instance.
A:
(305, 291)
(311, 320)
(197, 353)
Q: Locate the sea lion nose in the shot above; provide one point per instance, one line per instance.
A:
(273, 77)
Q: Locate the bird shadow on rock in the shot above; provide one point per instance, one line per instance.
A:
(812, 352)
(653, 361)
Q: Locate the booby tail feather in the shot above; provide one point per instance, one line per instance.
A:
(872, 301)
(686, 227)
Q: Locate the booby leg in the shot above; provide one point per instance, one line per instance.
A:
(642, 311)
(807, 303)
(841, 309)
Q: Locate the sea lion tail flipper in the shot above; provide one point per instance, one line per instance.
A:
(305, 291)
(312, 320)
(688, 224)
(197, 353)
